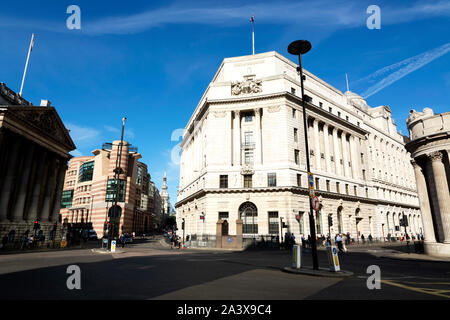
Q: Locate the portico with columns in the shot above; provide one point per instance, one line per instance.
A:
(430, 149)
(34, 151)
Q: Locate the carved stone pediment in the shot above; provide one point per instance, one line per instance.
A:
(44, 120)
(248, 86)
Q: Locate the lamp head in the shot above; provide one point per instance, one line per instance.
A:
(299, 47)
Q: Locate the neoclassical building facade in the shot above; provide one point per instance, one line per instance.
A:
(34, 151)
(429, 146)
(243, 157)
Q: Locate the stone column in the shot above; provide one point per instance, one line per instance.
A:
(50, 190)
(354, 157)
(316, 138)
(337, 155)
(11, 165)
(424, 204)
(24, 183)
(237, 138)
(39, 182)
(59, 190)
(443, 197)
(345, 154)
(258, 151)
(327, 147)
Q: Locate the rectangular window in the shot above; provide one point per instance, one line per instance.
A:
(346, 188)
(338, 187)
(330, 109)
(362, 158)
(248, 157)
(328, 185)
(299, 180)
(86, 171)
(67, 198)
(295, 135)
(339, 114)
(320, 104)
(297, 156)
(223, 181)
(346, 118)
(317, 184)
(364, 174)
(248, 139)
(272, 179)
(293, 90)
(293, 113)
(248, 117)
(111, 190)
(355, 190)
(273, 222)
(223, 215)
(248, 183)
(139, 175)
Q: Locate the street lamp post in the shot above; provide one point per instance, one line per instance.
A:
(298, 48)
(117, 172)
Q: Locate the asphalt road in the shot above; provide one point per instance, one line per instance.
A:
(151, 270)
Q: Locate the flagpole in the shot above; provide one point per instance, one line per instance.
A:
(26, 64)
(346, 79)
(253, 36)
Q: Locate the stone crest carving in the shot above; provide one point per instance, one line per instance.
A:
(435, 156)
(272, 109)
(219, 114)
(248, 86)
(246, 169)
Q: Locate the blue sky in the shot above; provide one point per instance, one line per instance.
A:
(152, 60)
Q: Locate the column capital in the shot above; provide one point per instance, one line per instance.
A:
(257, 111)
(237, 112)
(435, 156)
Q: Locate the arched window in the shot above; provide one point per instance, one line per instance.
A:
(249, 215)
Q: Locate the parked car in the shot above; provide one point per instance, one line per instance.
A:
(127, 237)
(93, 235)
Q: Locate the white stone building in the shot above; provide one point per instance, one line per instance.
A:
(243, 156)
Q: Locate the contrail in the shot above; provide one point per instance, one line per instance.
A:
(407, 66)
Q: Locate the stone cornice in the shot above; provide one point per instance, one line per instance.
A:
(295, 190)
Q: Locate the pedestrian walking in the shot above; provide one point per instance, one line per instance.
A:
(363, 239)
(339, 243)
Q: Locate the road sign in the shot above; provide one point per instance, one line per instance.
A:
(113, 246)
(310, 180)
(315, 203)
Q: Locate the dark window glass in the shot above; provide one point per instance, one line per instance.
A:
(299, 180)
(86, 171)
(248, 183)
(223, 215)
(111, 190)
(273, 222)
(224, 181)
(272, 179)
(297, 157)
(67, 198)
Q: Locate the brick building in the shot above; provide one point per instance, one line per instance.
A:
(89, 190)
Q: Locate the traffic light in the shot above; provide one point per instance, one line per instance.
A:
(297, 217)
(54, 226)
(330, 220)
(36, 225)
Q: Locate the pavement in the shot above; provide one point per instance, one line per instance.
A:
(149, 269)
